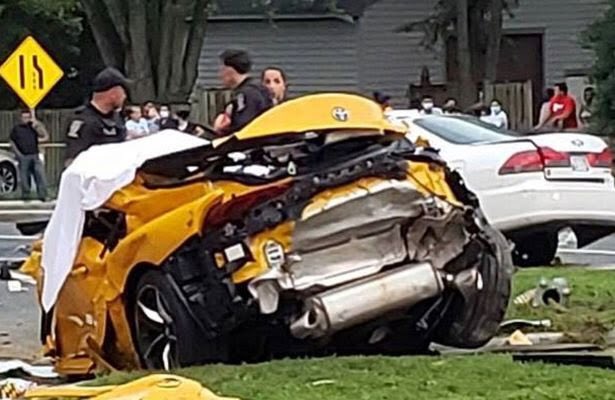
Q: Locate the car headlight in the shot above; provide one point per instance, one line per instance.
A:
(274, 254)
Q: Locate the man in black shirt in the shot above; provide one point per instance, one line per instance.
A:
(25, 138)
(166, 120)
(99, 122)
(250, 97)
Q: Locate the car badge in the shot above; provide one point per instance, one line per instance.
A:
(577, 142)
(340, 114)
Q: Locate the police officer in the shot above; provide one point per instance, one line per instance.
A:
(250, 97)
(99, 122)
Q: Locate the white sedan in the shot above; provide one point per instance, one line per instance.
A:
(529, 187)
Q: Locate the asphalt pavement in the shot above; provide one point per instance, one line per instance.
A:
(20, 317)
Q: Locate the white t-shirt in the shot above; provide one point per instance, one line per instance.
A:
(499, 120)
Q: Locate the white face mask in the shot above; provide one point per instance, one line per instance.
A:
(164, 114)
(428, 105)
(496, 109)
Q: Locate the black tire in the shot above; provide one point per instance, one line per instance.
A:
(472, 321)
(536, 250)
(8, 178)
(178, 340)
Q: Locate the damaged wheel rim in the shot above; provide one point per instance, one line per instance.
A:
(155, 331)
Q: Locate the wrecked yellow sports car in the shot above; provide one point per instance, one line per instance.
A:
(317, 229)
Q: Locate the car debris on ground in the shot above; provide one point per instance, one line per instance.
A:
(555, 292)
(152, 387)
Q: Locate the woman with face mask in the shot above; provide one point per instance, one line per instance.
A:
(496, 117)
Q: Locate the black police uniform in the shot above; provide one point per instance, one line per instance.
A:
(90, 127)
(250, 99)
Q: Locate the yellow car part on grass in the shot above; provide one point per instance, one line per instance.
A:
(152, 387)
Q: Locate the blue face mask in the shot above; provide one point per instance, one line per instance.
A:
(496, 109)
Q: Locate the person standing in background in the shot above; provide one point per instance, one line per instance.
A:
(274, 79)
(136, 125)
(250, 98)
(166, 121)
(544, 109)
(585, 112)
(25, 138)
(150, 113)
(496, 117)
(562, 110)
(99, 122)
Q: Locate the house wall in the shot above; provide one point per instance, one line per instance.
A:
(316, 55)
(369, 55)
(563, 21)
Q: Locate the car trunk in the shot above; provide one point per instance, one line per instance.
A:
(573, 157)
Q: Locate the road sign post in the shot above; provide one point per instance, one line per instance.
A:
(31, 72)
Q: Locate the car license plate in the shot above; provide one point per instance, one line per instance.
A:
(579, 163)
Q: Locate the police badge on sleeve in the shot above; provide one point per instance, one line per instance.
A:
(73, 130)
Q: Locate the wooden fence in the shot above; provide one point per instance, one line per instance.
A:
(204, 108)
(516, 100)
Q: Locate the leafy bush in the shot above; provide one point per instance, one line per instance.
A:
(600, 37)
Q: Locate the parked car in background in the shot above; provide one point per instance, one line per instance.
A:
(8, 172)
(529, 187)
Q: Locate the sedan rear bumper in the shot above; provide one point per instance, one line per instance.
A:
(542, 203)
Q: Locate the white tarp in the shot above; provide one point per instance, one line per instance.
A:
(87, 184)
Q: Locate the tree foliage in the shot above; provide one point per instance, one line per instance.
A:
(600, 37)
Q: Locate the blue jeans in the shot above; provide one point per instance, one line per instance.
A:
(31, 166)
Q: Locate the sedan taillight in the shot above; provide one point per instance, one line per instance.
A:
(601, 160)
(534, 161)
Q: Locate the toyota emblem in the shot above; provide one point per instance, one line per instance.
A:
(577, 142)
(340, 114)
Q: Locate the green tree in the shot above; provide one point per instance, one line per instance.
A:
(158, 43)
(477, 27)
(600, 37)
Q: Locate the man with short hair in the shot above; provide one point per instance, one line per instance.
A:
(167, 121)
(25, 138)
(250, 97)
(99, 122)
(562, 109)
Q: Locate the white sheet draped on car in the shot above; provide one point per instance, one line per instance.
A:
(87, 184)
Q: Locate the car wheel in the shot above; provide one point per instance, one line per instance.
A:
(535, 250)
(474, 318)
(165, 335)
(8, 178)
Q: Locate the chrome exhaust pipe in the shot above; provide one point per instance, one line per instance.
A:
(367, 299)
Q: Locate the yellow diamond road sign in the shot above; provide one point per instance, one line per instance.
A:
(31, 72)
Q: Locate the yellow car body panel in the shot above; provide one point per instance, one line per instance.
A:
(159, 221)
(326, 112)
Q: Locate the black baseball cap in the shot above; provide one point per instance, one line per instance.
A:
(109, 78)
(237, 59)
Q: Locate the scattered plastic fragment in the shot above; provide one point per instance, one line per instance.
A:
(519, 339)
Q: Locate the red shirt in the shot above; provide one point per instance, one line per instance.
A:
(562, 105)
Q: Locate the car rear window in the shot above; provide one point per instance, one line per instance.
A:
(463, 130)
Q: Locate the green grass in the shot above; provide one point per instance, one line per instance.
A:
(470, 377)
(453, 377)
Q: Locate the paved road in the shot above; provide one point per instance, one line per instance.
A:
(19, 315)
